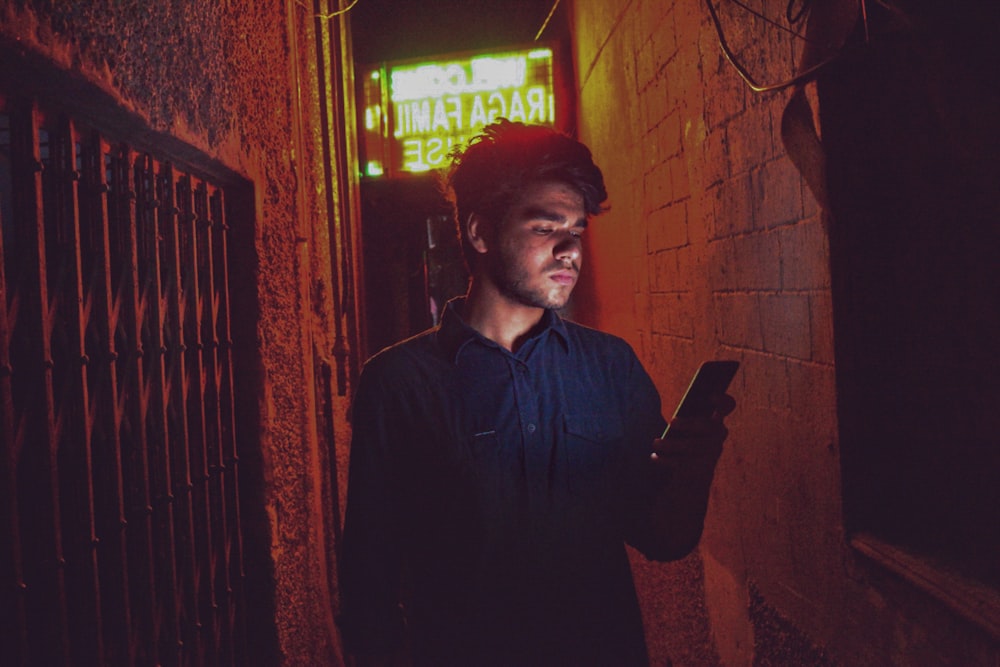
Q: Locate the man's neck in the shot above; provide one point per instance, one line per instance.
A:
(497, 317)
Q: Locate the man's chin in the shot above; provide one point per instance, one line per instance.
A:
(550, 300)
(557, 301)
(542, 302)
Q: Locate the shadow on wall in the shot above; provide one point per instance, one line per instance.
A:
(912, 139)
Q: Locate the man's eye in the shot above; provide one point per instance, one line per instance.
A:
(576, 234)
(543, 230)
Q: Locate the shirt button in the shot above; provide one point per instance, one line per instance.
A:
(522, 369)
(531, 428)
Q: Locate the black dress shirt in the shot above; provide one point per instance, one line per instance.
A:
(491, 494)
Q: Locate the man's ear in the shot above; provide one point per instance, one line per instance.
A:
(477, 231)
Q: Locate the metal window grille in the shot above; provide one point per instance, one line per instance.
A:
(119, 509)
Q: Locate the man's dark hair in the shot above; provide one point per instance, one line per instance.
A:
(486, 177)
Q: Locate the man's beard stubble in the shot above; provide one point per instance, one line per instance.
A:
(513, 281)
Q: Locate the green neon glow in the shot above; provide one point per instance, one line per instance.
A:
(481, 73)
(435, 105)
(371, 117)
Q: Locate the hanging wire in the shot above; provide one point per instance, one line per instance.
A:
(331, 14)
(799, 78)
(788, 14)
(546, 22)
(795, 17)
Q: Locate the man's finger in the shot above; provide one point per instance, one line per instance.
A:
(723, 404)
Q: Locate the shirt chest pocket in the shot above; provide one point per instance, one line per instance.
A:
(592, 451)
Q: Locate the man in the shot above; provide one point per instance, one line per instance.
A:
(501, 460)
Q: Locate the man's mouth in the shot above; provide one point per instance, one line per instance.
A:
(564, 276)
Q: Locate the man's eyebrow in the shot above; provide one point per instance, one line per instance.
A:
(540, 213)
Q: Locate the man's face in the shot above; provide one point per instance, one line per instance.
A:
(536, 250)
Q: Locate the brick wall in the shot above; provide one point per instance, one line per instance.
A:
(715, 247)
(717, 250)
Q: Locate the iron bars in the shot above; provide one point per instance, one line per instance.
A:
(119, 471)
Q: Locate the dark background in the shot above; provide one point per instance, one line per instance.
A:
(402, 29)
(403, 272)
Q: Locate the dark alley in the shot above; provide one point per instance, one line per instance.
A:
(212, 214)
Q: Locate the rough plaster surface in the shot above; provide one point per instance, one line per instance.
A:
(217, 75)
(779, 641)
(674, 639)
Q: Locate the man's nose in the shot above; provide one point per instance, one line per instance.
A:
(568, 248)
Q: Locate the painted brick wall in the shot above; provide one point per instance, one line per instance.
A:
(714, 248)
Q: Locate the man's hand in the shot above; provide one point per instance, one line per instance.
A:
(685, 459)
(694, 443)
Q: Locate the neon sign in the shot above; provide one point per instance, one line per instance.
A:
(415, 113)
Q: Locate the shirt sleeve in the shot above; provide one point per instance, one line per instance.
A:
(644, 422)
(371, 617)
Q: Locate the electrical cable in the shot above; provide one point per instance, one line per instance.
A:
(777, 25)
(325, 17)
(796, 17)
(544, 23)
(802, 76)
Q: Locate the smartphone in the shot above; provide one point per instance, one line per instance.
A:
(711, 378)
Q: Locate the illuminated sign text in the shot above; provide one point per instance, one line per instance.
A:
(434, 106)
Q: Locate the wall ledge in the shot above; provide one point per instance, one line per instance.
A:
(32, 72)
(968, 598)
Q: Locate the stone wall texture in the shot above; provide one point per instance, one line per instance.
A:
(714, 247)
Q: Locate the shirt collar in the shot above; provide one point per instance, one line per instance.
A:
(455, 334)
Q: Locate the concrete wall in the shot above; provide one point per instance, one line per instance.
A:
(715, 248)
(230, 88)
